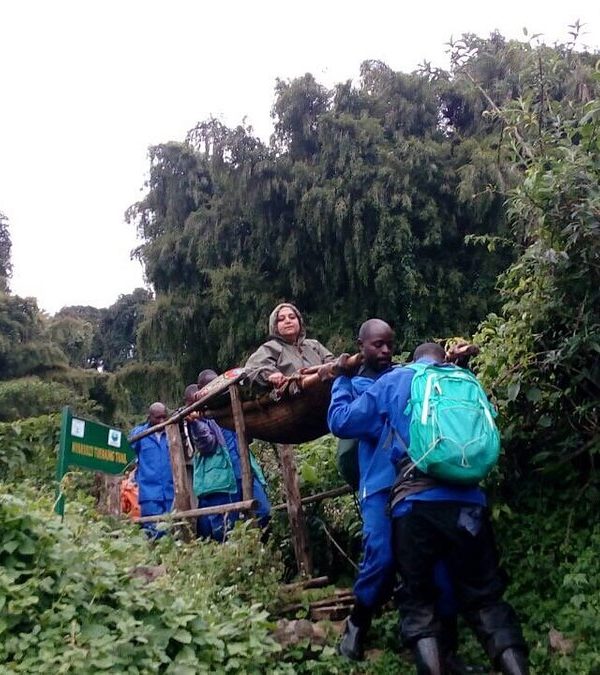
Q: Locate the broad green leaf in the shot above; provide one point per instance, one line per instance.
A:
(512, 390)
(183, 636)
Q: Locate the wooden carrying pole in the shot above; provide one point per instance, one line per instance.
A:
(310, 375)
(240, 430)
(295, 511)
(206, 394)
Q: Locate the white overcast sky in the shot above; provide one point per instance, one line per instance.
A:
(86, 86)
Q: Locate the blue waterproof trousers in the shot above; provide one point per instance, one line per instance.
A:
(375, 581)
(154, 508)
(217, 525)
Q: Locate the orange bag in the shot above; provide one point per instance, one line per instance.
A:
(129, 494)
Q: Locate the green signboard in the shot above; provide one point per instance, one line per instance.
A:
(90, 445)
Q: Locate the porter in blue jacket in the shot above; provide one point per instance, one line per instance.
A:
(154, 473)
(375, 580)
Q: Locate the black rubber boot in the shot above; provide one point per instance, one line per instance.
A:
(428, 657)
(513, 661)
(351, 644)
(449, 644)
(456, 666)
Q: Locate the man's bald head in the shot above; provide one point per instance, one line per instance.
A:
(373, 325)
(376, 344)
(157, 413)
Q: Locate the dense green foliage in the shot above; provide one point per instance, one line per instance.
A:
(360, 207)
(74, 336)
(30, 397)
(139, 384)
(541, 353)
(101, 337)
(47, 362)
(549, 542)
(90, 595)
(5, 246)
(28, 450)
(72, 601)
(25, 347)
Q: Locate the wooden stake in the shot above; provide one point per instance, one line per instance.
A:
(183, 499)
(300, 539)
(240, 430)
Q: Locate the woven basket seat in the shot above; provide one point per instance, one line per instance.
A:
(295, 418)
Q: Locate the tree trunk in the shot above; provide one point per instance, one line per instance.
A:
(110, 502)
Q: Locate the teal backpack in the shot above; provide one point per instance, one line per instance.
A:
(453, 436)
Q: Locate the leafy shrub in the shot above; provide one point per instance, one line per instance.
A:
(32, 397)
(72, 604)
(541, 354)
(549, 541)
(317, 465)
(28, 449)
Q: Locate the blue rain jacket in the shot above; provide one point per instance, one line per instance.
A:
(378, 415)
(154, 474)
(376, 471)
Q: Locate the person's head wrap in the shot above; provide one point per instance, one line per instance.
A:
(273, 320)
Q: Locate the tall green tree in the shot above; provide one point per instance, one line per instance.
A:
(117, 330)
(5, 247)
(105, 337)
(25, 347)
(360, 206)
(74, 336)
